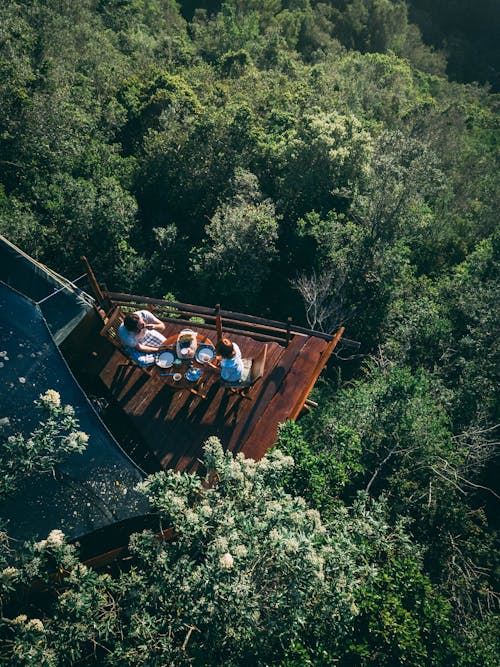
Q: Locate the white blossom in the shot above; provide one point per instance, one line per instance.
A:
(236, 475)
(22, 618)
(35, 624)
(240, 550)
(176, 503)
(9, 573)
(191, 517)
(162, 558)
(55, 538)
(292, 545)
(51, 398)
(206, 511)
(274, 535)
(221, 544)
(226, 560)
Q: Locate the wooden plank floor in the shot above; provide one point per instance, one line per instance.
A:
(175, 424)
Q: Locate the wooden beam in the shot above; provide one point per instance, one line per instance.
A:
(310, 404)
(93, 280)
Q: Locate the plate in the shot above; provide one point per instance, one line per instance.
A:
(193, 374)
(165, 359)
(201, 352)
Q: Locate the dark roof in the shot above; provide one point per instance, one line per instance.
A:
(91, 491)
(62, 303)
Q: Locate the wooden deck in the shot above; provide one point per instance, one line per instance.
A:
(175, 424)
(171, 424)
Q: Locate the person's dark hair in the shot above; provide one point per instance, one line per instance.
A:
(225, 348)
(131, 322)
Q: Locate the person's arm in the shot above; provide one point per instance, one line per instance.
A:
(216, 363)
(152, 322)
(145, 348)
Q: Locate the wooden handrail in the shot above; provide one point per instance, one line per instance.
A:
(238, 328)
(227, 315)
(252, 333)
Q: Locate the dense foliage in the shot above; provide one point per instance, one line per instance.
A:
(292, 158)
(250, 575)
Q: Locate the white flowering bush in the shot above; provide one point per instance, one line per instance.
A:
(55, 438)
(28, 645)
(253, 568)
(246, 575)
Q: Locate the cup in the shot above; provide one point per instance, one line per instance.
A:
(176, 377)
(204, 357)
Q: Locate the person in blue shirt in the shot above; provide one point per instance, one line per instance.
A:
(231, 363)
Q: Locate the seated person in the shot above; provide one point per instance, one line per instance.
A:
(140, 336)
(230, 359)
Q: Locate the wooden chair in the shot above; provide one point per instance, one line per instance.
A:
(110, 332)
(253, 370)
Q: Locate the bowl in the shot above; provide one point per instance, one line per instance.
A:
(193, 374)
(176, 377)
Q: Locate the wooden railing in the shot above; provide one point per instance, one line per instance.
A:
(258, 328)
(215, 318)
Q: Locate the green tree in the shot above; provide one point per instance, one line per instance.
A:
(408, 452)
(235, 259)
(450, 324)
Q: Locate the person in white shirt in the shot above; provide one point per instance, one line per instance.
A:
(141, 336)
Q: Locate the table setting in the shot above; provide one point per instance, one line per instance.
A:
(183, 360)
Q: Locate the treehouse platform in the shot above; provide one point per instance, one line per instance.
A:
(172, 423)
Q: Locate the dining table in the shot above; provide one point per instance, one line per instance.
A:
(185, 374)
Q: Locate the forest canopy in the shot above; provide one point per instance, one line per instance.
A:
(346, 151)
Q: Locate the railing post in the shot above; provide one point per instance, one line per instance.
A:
(218, 322)
(93, 280)
(288, 330)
